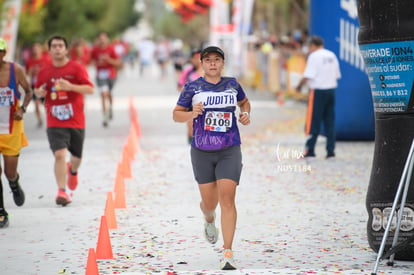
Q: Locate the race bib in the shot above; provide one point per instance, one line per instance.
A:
(103, 74)
(62, 112)
(6, 98)
(218, 121)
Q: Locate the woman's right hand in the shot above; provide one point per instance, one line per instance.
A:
(198, 109)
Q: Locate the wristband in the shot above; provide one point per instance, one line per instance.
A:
(246, 113)
(23, 108)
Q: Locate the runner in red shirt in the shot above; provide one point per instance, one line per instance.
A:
(33, 65)
(63, 84)
(80, 51)
(107, 62)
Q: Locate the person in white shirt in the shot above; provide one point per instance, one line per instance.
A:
(146, 54)
(321, 75)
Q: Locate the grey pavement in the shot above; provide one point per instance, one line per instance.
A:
(294, 216)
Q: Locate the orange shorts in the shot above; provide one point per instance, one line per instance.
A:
(10, 144)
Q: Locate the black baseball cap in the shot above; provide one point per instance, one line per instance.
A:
(211, 49)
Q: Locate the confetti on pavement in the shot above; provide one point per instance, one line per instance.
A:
(295, 216)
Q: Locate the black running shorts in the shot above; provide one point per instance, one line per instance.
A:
(107, 83)
(69, 138)
(212, 166)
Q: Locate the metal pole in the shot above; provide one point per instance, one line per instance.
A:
(394, 206)
(402, 205)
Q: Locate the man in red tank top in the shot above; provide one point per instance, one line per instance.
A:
(12, 136)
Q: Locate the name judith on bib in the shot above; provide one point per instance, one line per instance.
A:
(225, 100)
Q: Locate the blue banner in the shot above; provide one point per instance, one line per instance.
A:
(337, 23)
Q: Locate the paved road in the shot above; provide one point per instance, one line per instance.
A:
(294, 217)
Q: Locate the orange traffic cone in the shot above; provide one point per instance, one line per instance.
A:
(119, 191)
(133, 139)
(125, 166)
(132, 109)
(128, 151)
(137, 126)
(92, 266)
(104, 247)
(110, 212)
(133, 132)
(119, 182)
(119, 200)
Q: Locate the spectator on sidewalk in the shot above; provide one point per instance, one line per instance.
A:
(321, 73)
(63, 84)
(215, 149)
(12, 136)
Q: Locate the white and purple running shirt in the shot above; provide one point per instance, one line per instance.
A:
(217, 127)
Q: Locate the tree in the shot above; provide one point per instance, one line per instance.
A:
(281, 16)
(193, 32)
(31, 27)
(76, 18)
(269, 16)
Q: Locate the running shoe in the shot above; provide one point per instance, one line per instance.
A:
(4, 219)
(62, 198)
(72, 179)
(105, 119)
(18, 194)
(309, 154)
(211, 231)
(227, 262)
(330, 155)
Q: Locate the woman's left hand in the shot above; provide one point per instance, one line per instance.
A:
(244, 118)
